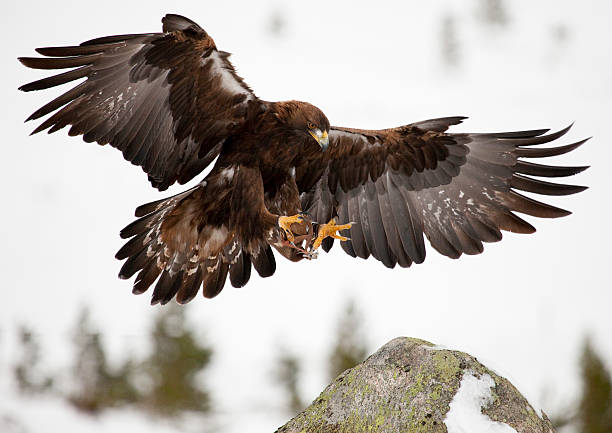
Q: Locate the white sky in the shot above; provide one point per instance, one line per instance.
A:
(522, 307)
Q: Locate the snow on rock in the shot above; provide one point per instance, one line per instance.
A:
(411, 385)
(465, 414)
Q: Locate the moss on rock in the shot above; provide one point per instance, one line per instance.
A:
(407, 386)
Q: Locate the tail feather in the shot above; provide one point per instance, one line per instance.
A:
(264, 262)
(146, 277)
(172, 247)
(216, 274)
(240, 270)
(167, 286)
(190, 287)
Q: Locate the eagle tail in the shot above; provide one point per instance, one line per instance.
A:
(172, 243)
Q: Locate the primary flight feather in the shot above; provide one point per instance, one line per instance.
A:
(284, 178)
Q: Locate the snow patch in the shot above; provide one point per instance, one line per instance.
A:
(465, 414)
(436, 347)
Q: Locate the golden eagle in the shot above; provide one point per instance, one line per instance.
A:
(172, 103)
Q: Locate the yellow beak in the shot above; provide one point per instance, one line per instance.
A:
(321, 137)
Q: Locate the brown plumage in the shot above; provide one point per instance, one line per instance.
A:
(172, 103)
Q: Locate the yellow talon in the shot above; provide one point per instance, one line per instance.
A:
(329, 230)
(285, 222)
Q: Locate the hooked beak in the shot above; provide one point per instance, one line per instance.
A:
(321, 137)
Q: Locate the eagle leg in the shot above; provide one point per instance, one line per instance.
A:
(330, 230)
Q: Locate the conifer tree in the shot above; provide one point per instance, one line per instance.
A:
(287, 376)
(595, 409)
(173, 367)
(350, 347)
(96, 386)
(26, 372)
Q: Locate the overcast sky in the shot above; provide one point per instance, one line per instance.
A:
(522, 307)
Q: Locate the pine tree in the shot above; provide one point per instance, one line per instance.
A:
(449, 41)
(493, 12)
(173, 366)
(287, 375)
(26, 371)
(595, 409)
(97, 387)
(350, 348)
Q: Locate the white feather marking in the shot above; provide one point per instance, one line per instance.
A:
(233, 262)
(216, 237)
(192, 271)
(147, 238)
(233, 248)
(227, 174)
(227, 79)
(437, 213)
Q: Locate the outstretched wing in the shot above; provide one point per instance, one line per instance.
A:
(460, 190)
(166, 100)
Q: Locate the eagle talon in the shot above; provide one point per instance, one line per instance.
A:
(310, 255)
(330, 230)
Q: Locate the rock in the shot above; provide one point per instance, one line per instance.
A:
(410, 385)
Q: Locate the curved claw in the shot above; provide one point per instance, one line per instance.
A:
(310, 255)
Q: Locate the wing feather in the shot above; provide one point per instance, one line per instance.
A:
(166, 100)
(358, 239)
(459, 190)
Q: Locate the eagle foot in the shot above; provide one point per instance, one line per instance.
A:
(330, 230)
(285, 222)
(300, 242)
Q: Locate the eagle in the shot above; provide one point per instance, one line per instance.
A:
(282, 177)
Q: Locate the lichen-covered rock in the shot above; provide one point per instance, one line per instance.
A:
(410, 385)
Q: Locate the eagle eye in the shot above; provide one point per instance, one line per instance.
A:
(311, 125)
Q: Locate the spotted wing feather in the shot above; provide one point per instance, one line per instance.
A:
(166, 100)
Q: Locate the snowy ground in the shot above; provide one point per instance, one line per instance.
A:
(521, 308)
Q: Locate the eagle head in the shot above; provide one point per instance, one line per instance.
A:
(305, 119)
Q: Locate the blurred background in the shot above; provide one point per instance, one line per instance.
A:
(79, 352)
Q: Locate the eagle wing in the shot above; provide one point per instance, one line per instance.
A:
(166, 100)
(460, 190)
